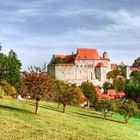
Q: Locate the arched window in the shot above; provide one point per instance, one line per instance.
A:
(91, 75)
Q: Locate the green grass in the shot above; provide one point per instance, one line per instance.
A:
(17, 122)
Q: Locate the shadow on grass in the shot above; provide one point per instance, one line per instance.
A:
(15, 109)
(50, 108)
(93, 116)
(46, 107)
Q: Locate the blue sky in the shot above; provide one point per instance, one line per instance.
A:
(36, 29)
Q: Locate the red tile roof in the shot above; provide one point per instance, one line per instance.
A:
(68, 64)
(113, 66)
(100, 65)
(82, 53)
(86, 53)
(120, 94)
(111, 92)
(68, 57)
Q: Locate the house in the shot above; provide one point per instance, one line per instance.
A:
(111, 94)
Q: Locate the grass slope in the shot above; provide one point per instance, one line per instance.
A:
(17, 122)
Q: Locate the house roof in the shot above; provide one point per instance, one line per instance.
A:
(111, 92)
(114, 66)
(100, 65)
(120, 94)
(64, 56)
(67, 64)
(86, 53)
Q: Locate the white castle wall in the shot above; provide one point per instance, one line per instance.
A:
(65, 72)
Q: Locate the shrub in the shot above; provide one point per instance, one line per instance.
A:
(1, 92)
(107, 106)
(8, 89)
(128, 108)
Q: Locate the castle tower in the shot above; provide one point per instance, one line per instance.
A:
(101, 72)
(105, 55)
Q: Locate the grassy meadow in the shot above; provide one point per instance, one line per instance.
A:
(18, 122)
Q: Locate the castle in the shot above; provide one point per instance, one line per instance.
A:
(85, 65)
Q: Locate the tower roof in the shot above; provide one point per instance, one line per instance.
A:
(100, 65)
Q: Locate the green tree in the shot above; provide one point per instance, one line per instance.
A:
(67, 94)
(135, 75)
(106, 86)
(89, 92)
(132, 89)
(128, 108)
(14, 67)
(10, 69)
(122, 68)
(107, 106)
(113, 74)
(119, 84)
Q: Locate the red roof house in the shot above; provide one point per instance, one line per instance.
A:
(111, 94)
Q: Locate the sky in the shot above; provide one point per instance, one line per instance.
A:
(37, 29)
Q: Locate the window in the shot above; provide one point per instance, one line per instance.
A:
(91, 76)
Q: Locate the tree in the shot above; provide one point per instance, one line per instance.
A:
(89, 92)
(107, 106)
(122, 68)
(37, 84)
(106, 86)
(67, 94)
(113, 74)
(128, 108)
(132, 89)
(135, 75)
(118, 84)
(132, 86)
(10, 69)
(14, 67)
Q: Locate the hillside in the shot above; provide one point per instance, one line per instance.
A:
(17, 122)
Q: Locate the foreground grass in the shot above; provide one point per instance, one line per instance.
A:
(17, 122)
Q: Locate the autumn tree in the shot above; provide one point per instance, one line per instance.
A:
(89, 92)
(37, 84)
(67, 94)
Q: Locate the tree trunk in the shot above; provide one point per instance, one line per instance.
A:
(64, 108)
(88, 104)
(58, 106)
(37, 104)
